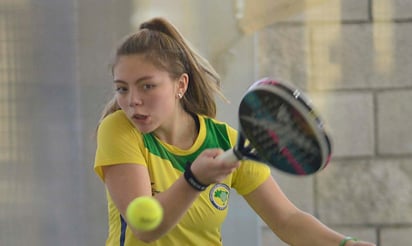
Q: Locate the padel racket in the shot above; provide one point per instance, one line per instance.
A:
(278, 126)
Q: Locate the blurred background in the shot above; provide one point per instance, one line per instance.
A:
(353, 57)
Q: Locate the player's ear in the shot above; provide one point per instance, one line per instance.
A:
(183, 83)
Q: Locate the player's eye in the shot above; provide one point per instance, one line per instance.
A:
(148, 86)
(121, 90)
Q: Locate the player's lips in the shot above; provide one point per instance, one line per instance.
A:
(139, 117)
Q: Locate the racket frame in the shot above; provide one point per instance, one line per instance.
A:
(303, 106)
(244, 149)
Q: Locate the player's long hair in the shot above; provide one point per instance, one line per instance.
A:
(163, 45)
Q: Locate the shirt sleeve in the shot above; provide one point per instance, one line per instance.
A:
(118, 142)
(249, 176)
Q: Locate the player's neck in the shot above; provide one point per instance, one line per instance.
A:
(182, 131)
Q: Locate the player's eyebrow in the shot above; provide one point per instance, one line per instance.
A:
(139, 80)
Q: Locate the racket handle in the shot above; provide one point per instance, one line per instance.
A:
(228, 156)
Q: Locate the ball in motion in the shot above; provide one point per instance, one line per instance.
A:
(144, 213)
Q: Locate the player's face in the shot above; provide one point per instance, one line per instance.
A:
(145, 93)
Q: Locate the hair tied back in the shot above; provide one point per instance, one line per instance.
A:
(156, 24)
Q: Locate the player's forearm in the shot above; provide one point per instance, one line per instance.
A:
(302, 229)
(175, 202)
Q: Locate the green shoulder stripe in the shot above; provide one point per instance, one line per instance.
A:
(216, 137)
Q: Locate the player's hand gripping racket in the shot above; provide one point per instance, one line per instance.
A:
(278, 126)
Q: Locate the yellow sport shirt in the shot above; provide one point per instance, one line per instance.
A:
(118, 141)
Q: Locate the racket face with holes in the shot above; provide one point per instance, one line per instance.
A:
(283, 129)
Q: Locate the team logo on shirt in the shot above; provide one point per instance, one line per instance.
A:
(219, 196)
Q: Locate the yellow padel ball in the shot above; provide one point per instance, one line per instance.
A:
(144, 213)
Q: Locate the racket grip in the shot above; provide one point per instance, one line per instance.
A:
(228, 156)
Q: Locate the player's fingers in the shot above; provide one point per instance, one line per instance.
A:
(213, 152)
(227, 168)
